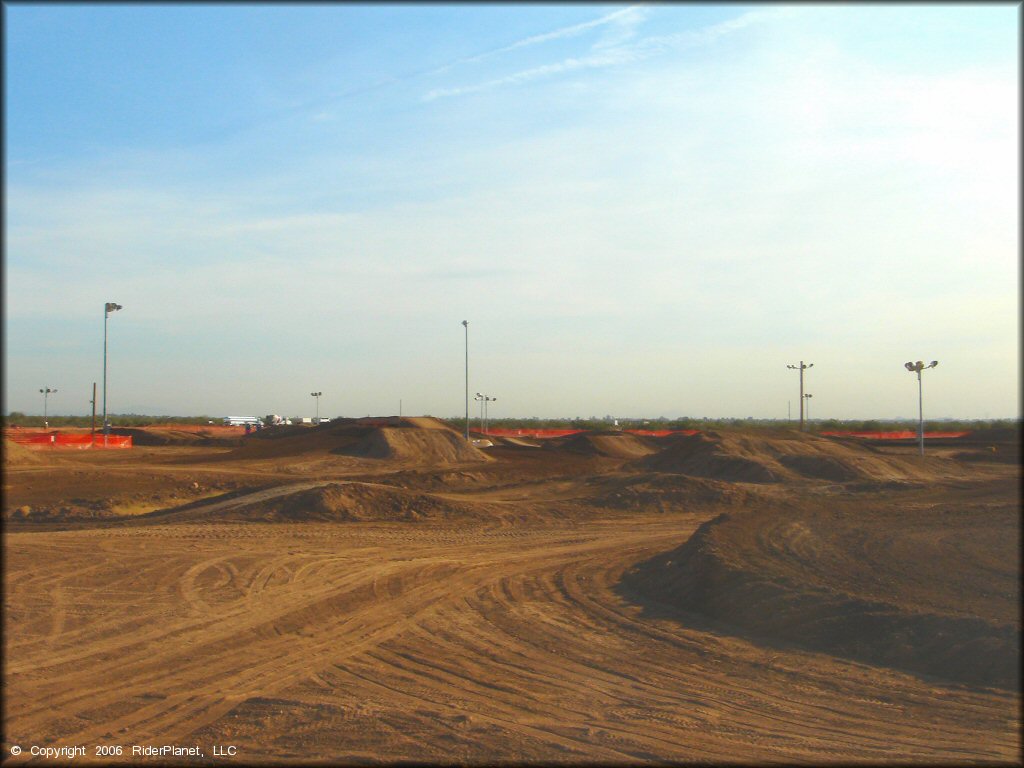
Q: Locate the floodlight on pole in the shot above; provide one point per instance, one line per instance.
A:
(917, 368)
(317, 396)
(486, 409)
(484, 400)
(109, 307)
(807, 398)
(46, 394)
(801, 368)
(465, 324)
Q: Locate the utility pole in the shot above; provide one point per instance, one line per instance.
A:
(92, 432)
(801, 368)
(465, 324)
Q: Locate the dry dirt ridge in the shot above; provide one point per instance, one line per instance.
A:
(382, 591)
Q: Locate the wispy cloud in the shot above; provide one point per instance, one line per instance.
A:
(624, 19)
(611, 50)
(605, 59)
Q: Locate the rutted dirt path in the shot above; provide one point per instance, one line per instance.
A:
(428, 642)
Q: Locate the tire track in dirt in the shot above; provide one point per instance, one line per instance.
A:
(470, 632)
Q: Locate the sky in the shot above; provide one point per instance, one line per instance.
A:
(640, 210)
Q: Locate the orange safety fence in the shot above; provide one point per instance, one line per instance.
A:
(80, 441)
(547, 433)
(661, 432)
(902, 435)
(500, 432)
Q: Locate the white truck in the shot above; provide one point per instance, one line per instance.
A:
(240, 421)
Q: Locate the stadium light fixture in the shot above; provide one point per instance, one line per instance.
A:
(484, 400)
(807, 398)
(917, 368)
(46, 394)
(801, 368)
(317, 396)
(487, 415)
(109, 307)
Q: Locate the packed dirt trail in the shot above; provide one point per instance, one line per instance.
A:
(499, 622)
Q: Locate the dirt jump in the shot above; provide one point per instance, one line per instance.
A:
(381, 591)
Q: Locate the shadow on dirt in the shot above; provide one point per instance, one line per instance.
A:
(693, 583)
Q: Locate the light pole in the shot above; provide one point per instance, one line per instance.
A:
(107, 309)
(480, 398)
(808, 397)
(801, 368)
(917, 368)
(465, 324)
(317, 396)
(46, 394)
(484, 400)
(486, 408)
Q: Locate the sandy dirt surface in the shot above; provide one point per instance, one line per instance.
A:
(382, 592)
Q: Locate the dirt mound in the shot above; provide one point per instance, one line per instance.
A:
(999, 454)
(616, 445)
(425, 422)
(147, 437)
(415, 441)
(413, 444)
(993, 436)
(927, 591)
(654, 492)
(516, 442)
(334, 502)
(419, 422)
(780, 456)
(16, 455)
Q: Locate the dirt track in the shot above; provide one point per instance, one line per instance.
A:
(494, 627)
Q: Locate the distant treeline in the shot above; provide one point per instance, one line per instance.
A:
(19, 419)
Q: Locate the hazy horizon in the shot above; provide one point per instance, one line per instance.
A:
(647, 209)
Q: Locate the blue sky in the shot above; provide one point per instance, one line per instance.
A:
(642, 210)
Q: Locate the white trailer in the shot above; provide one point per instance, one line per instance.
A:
(240, 421)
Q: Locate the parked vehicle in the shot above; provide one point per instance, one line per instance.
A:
(241, 421)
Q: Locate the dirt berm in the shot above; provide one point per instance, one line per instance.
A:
(785, 455)
(333, 502)
(616, 445)
(415, 441)
(149, 437)
(415, 444)
(945, 605)
(16, 455)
